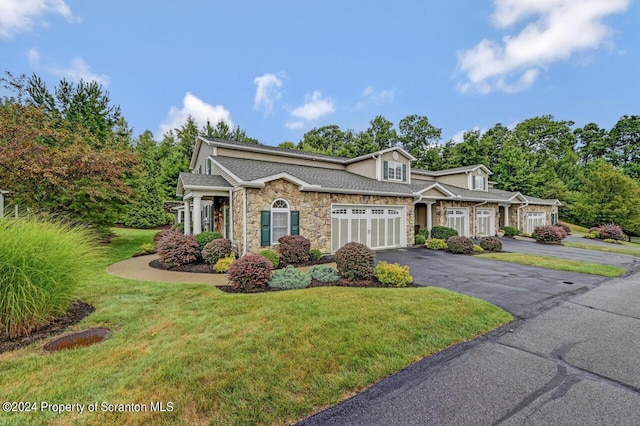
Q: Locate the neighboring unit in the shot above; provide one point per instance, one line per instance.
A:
(254, 194)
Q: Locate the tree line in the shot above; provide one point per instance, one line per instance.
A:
(69, 151)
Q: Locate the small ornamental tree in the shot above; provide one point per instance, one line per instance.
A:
(355, 261)
(250, 273)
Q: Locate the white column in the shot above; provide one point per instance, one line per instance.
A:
(187, 217)
(197, 215)
(429, 217)
(506, 215)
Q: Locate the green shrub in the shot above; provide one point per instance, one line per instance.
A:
(224, 264)
(290, 277)
(477, 249)
(178, 227)
(216, 250)
(510, 231)
(424, 232)
(324, 273)
(459, 245)
(611, 240)
(206, 237)
(526, 234)
(315, 254)
(436, 244)
(443, 233)
(147, 248)
(271, 256)
(42, 263)
(250, 273)
(177, 249)
(355, 261)
(393, 273)
(592, 235)
(293, 249)
(491, 244)
(420, 240)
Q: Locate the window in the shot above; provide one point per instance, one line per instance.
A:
(279, 220)
(478, 182)
(395, 171)
(208, 166)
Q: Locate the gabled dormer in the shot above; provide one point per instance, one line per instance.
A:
(389, 165)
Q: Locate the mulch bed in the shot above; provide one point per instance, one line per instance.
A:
(76, 312)
(205, 268)
(373, 283)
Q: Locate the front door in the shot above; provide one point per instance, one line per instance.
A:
(458, 219)
(485, 220)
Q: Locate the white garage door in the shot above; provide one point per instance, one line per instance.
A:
(375, 226)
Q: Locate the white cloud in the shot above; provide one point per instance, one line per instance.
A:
(556, 30)
(78, 70)
(378, 96)
(293, 125)
(19, 16)
(267, 92)
(199, 110)
(315, 106)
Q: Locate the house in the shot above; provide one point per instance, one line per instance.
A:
(254, 194)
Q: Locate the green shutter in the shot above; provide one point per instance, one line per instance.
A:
(265, 228)
(295, 223)
(208, 171)
(386, 170)
(404, 172)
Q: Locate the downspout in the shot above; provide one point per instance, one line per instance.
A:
(475, 218)
(244, 209)
(518, 212)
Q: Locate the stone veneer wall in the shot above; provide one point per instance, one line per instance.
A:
(314, 208)
(513, 214)
(440, 218)
(238, 224)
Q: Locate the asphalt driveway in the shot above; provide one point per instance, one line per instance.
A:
(525, 291)
(570, 359)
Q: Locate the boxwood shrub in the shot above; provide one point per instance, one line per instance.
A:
(393, 273)
(420, 239)
(443, 232)
(271, 256)
(250, 273)
(315, 254)
(510, 231)
(459, 245)
(206, 237)
(355, 261)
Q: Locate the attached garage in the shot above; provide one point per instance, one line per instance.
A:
(376, 226)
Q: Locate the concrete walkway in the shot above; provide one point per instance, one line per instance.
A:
(576, 364)
(137, 268)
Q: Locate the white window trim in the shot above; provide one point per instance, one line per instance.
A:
(397, 170)
(277, 210)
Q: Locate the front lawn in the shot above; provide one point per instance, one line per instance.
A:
(219, 358)
(556, 263)
(612, 249)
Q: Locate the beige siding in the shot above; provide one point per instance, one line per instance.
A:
(388, 156)
(277, 158)
(365, 168)
(205, 151)
(460, 180)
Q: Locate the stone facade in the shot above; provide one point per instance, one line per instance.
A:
(238, 220)
(440, 218)
(314, 208)
(513, 215)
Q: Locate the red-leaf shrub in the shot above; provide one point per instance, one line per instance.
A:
(609, 231)
(293, 249)
(548, 234)
(249, 273)
(459, 245)
(491, 244)
(161, 234)
(355, 261)
(567, 228)
(177, 249)
(216, 250)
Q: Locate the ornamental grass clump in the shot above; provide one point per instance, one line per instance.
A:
(289, 277)
(443, 232)
(293, 249)
(548, 234)
(42, 263)
(355, 261)
(460, 245)
(250, 273)
(491, 244)
(216, 250)
(393, 274)
(324, 273)
(176, 249)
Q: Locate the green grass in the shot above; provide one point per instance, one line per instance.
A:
(555, 263)
(221, 358)
(127, 243)
(613, 249)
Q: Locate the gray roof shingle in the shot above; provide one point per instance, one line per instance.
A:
(193, 179)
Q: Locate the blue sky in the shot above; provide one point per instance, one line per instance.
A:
(279, 68)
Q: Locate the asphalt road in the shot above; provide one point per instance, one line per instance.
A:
(570, 359)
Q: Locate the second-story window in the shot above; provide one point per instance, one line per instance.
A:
(395, 171)
(478, 182)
